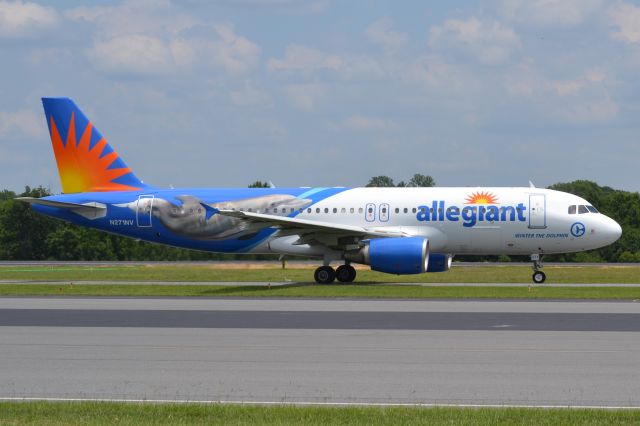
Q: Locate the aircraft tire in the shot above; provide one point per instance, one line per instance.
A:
(346, 273)
(539, 277)
(324, 275)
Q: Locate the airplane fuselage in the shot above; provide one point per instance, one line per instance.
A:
(516, 221)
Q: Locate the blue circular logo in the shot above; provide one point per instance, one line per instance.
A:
(578, 229)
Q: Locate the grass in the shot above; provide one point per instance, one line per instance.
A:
(211, 273)
(104, 282)
(324, 291)
(108, 413)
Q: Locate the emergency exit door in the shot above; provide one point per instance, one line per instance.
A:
(537, 211)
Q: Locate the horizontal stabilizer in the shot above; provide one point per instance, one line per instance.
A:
(91, 210)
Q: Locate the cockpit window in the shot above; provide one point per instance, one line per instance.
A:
(592, 209)
(582, 209)
(572, 209)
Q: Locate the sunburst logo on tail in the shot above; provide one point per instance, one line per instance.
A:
(481, 198)
(83, 168)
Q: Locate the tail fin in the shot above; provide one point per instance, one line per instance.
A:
(86, 162)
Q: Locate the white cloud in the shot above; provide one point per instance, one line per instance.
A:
(233, 53)
(25, 19)
(250, 97)
(562, 13)
(294, 6)
(589, 111)
(489, 42)
(23, 122)
(152, 37)
(626, 18)
(382, 33)
(302, 58)
(433, 73)
(363, 122)
(157, 18)
(137, 54)
(305, 96)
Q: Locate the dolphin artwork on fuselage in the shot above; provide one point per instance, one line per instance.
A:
(393, 230)
(191, 217)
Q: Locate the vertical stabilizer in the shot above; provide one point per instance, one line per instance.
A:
(86, 162)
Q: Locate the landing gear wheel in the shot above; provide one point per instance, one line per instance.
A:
(539, 277)
(324, 275)
(345, 273)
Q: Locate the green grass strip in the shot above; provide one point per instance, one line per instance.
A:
(325, 291)
(107, 413)
(211, 273)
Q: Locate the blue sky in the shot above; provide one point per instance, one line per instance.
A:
(320, 92)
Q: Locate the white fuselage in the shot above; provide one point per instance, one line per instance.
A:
(518, 221)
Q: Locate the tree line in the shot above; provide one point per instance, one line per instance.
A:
(26, 235)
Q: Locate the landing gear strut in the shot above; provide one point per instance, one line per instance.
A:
(538, 276)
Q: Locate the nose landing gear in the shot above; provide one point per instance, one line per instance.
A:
(538, 276)
(326, 274)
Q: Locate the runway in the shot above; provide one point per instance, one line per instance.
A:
(322, 351)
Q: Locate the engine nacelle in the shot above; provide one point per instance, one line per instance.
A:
(407, 255)
(439, 262)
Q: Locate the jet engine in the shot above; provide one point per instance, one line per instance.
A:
(407, 255)
(439, 262)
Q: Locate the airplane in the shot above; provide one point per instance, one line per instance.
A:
(393, 230)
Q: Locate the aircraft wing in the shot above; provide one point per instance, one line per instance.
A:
(292, 223)
(91, 210)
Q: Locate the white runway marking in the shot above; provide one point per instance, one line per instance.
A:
(318, 404)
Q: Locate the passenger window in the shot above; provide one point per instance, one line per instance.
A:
(582, 210)
(351, 210)
(397, 210)
(326, 209)
(343, 210)
(275, 210)
(335, 210)
(413, 210)
(592, 209)
(572, 209)
(308, 210)
(360, 210)
(406, 210)
(317, 209)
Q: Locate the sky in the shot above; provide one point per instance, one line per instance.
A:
(329, 93)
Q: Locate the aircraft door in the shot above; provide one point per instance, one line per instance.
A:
(144, 212)
(537, 211)
(383, 215)
(370, 212)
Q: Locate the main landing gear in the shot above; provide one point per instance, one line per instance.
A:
(326, 274)
(538, 276)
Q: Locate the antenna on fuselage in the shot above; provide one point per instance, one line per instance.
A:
(531, 185)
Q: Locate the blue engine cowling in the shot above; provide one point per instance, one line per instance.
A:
(439, 262)
(408, 255)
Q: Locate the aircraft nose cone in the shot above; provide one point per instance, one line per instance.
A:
(613, 230)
